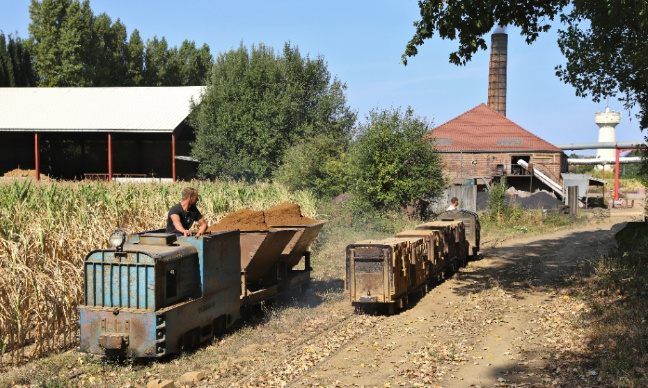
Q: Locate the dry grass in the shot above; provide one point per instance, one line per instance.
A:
(46, 229)
(617, 319)
(530, 222)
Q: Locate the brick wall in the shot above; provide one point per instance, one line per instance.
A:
(465, 165)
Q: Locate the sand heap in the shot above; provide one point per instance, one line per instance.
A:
(244, 219)
(285, 214)
(18, 173)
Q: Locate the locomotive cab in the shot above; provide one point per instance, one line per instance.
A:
(146, 297)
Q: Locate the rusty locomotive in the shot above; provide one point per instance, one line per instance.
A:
(386, 272)
(154, 294)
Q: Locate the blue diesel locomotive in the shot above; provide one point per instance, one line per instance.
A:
(155, 293)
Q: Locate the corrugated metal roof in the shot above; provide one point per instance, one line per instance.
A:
(484, 129)
(132, 109)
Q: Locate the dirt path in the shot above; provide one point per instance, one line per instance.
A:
(498, 322)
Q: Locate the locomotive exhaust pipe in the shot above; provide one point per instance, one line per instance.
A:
(497, 71)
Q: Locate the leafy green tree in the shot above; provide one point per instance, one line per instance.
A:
(193, 64)
(60, 31)
(73, 47)
(603, 42)
(258, 104)
(105, 60)
(134, 56)
(317, 164)
(6, 67)
(15, 63)
(156, 60)
(392, 163)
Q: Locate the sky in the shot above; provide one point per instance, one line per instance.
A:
(362, 42)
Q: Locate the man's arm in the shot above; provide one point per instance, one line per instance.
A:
(178, 225)
(203, 226)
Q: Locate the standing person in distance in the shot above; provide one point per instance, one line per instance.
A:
(183, 214)
(454, 203)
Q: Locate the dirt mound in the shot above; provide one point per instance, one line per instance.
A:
(286, 214)
(18, 173)
(244, 219)
(537, 200)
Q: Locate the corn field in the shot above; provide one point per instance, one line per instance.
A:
(46, 229)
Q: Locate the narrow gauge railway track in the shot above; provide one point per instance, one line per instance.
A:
(306, 355)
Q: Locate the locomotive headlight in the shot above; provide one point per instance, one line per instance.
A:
(118, 238)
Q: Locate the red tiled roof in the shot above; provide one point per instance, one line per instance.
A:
(483, 129)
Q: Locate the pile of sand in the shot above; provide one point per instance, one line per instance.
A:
(18, 173)
(285, 214)
(244, 219)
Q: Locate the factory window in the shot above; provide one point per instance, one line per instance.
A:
(171, 283)
(516, 169)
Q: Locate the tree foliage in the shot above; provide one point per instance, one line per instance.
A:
(258, 104)
(603, 42)
(317, 164)
(605, 47)
(469, 21)
(392, 163)
(73, 47)
(15, 63)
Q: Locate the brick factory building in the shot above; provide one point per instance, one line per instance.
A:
(483, 144)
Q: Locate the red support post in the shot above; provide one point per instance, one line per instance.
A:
(36, 155)
(110, 171)
(616, 175)
(173, 161)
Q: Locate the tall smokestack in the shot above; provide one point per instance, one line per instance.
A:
(497, 73)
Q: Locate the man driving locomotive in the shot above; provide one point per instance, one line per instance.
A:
(183, 214)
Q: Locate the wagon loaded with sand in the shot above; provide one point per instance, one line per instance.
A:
(275, 249)
(155, 293)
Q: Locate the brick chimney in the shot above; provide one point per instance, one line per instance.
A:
(497, 73)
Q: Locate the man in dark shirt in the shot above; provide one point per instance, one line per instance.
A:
(182, 215)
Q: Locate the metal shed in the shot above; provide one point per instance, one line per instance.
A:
(88, 121)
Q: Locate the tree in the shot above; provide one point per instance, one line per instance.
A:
(106, 57)
(15, 63)
(135, 60)
(603, 43)
(392, 163)
(72, 47)
(257, 104)
(317, 164)
(60, 32)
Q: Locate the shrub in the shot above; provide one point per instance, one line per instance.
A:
(392, 163)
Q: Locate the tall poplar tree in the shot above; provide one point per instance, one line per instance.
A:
(60, 31)
(258, 104)
(15, 63)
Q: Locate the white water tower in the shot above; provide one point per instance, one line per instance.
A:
(606, 122)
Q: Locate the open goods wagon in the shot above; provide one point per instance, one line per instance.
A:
(387, 272)
(155, 294)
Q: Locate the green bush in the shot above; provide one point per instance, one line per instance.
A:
(316, 164)
(392, 163)
(498, 208)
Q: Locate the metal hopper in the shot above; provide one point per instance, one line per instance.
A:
(260, 251)
(299, 244)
